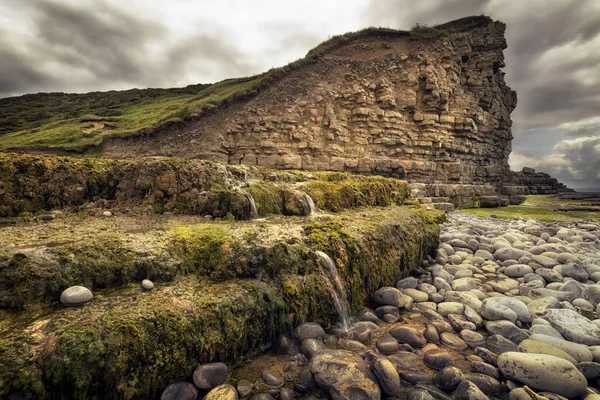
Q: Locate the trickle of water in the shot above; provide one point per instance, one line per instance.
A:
(311, 204)
(253, 209)
(336, 288)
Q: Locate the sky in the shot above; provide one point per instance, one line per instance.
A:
(552, 60)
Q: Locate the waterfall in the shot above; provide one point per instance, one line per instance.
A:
(311, 204)
(253, 209)
(336, 288)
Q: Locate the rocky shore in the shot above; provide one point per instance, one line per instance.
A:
(505, 309)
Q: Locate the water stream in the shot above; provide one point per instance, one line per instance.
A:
(311, 204)
(336, 288)
(253, 209)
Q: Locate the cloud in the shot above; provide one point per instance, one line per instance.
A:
(576, 162)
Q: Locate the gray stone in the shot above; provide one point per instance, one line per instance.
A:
(180, 391)
(208, 376)
(509, 253)
(407, 283)
(549, 275)
(408, 335)
(438, 359)
(464, 284)
(76, 296)
(506, 329)
(345, 376)
(579, 352)
(244, 388)
(467, 390)
(453, 341)
(472, 339)
(271, 378)
(386, 375)
(499, 344)
(388, 345)
(543, 372)
(518, 270)
(147, 284)
(545, 330)
(309, 330)
(431, 334)
(449, 378)
(485, 368)
(537, 347)
(419, 394)
(592, 294)
(416, 295)
(286, 394)
(539, 307)
(485, 383)
(450, 307)
(494, 311)
(311, 347)
(516, 305)
(389, 296)
(574, 327)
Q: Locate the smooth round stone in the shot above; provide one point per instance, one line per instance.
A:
(459, 322)
(262, 396)
(438, 359)
(442, 326)
(208, 376)
(415, 377)
(283, 345)
(286, 394)
(431, 334)
(416, 295)
(473, 316)
(311, 347)
(574, 327)
(367, 315)
(450, 307)
(388, 345)
(504, 285)
(486, 355)
(499, 344)
(467, 390)
(180, 391)
(389, 296)
(464, 284)
(351, 345)
(386, 374)
(545, 330)
(309, 330)
(76, 296)
(147, 284)
(543, 372)
(407, 283)
(590, 369)
(419, 394)
(453, 341)
(383, 310)
(518, 270)
(517, 306)
(363, 331)
(485, 383)
(507, 329)
(449, 378)
(578, 351)
(581, 303)
(485, 368)
(271, 378)
(244, 388)
(222, 392)
(473, 339)
(408, 335)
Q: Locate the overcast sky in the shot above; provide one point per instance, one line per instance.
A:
(553, 55)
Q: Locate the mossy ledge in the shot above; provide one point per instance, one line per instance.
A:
(38, 183)
(224, 290)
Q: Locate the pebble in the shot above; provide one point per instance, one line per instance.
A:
(76, 296)
(387, 375)
(309, 330)
(271, 378)
(449, 378)
(208, 376)
(180, 391)
(147, 284)
(408, 335)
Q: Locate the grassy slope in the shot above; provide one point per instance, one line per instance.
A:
(58, 120)
(537, 207)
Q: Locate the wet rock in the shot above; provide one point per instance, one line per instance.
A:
(367, 315)
(544, 372)
(286, 394)
(450, 307)
(208, 376)
(383, 310)
(351, 345)
(419, 394)
(518, 270)
(271, 378)
(442, 326)
(147, 284)
(574, 327)
(408, 335)
(468, 391)
(388, 345)
(283, 345)
(363, 331)
(485, 383)
(438, 359)
(459, 322)
(472, 339)
(519, 394)
(517, 306)
(499, 344)
(262, 396)
(311, 347)
(180, 391)
(344, 375)
(488, 356)
(437, 393)
(453, 341)
(431, 334)
(545, 330)
(407, 283)
(415, 377)
(448, 378)
(76, 296)
(464, 284)
(386, 375)
(389, 296)
(485, 368)
(222, 392)
(416, 295)
(506, 329)
(309, 330)
(244, 388)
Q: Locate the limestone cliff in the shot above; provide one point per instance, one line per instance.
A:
(430, 107)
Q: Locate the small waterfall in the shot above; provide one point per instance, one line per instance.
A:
(311, 204)
(253, 209)
(336, 288)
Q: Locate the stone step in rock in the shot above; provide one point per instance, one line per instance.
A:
(444, 206)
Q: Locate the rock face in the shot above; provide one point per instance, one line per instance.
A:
(382, 102)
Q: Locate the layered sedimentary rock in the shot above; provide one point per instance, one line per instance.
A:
(433, 108)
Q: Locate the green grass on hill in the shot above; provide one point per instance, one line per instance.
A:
(79, 121)
(534, 208)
